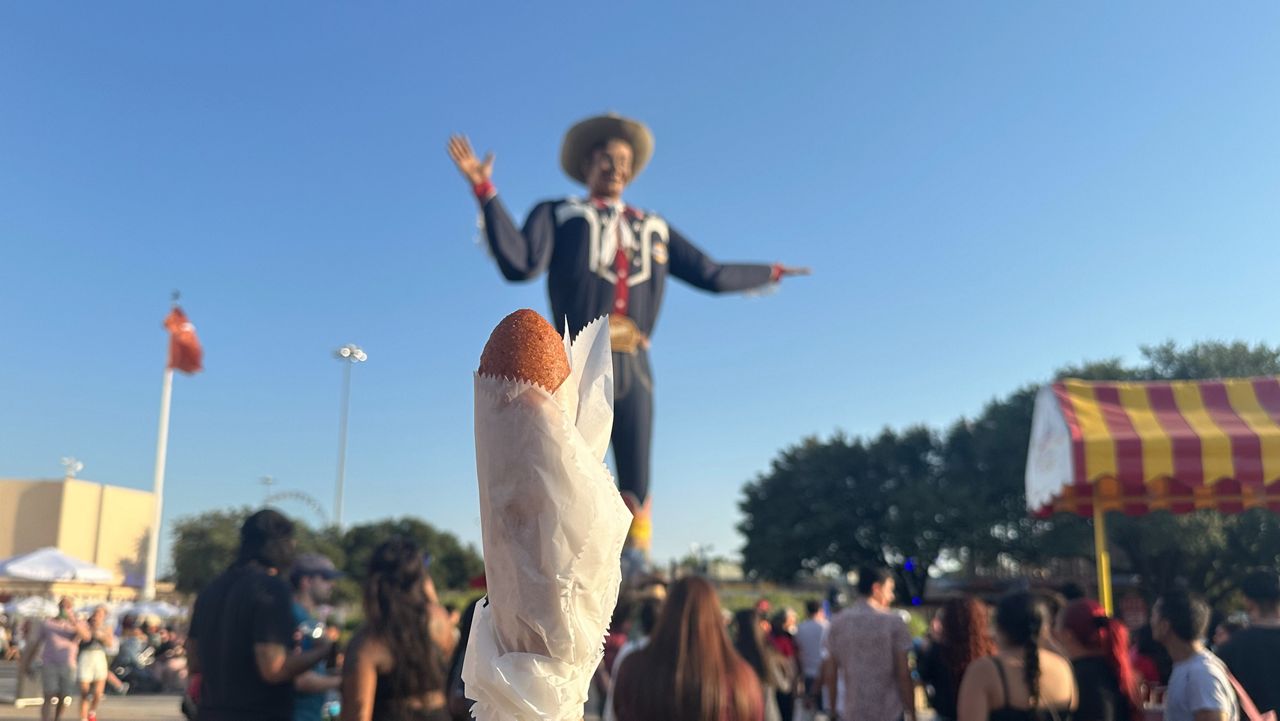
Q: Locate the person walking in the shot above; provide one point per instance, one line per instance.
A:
(867, 648)
(810, 636)
(58, 643)
(91, 664)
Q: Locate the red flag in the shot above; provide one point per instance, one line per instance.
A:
(185, 352)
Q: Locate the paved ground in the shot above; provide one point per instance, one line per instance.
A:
(114, 708)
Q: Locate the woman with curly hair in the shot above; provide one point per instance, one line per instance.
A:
(689, 670)
(1022, 681)
(397, 665)
(1098, 647)
(962, 638)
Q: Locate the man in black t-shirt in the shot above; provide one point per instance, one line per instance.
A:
(1253, 653)
(242, 630)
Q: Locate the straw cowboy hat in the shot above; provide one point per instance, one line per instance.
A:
(587, 134)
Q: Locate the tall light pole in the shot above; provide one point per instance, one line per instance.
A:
(349, 354)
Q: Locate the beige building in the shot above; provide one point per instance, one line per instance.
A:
(107, 526)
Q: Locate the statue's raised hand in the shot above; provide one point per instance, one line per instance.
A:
(476, 171)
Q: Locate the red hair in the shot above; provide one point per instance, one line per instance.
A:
(1090, 626)
(964, 634)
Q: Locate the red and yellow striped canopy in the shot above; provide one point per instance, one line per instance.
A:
(1138, 447)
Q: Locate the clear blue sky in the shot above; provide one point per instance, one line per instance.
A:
(986, 191)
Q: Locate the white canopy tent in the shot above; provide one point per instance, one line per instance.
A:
(32, 606)
(160, 609)
(49, 564)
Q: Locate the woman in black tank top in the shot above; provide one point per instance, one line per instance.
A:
(1098, 646)
(396, 667)
(1022, 682)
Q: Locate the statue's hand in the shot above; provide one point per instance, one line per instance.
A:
(476, 171)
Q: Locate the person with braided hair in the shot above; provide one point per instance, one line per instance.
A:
(398, 661)
(1098, 646)
(1022, 681)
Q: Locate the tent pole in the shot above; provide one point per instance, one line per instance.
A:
(1103, 556)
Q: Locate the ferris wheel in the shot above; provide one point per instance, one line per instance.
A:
(303, 499)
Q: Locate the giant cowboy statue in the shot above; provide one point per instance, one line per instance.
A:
(603, 256)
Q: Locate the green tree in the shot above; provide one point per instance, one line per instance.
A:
(204, 546)
(1210, 360)
(453, 565)
(850, 501)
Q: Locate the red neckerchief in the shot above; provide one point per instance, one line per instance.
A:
(621, 263)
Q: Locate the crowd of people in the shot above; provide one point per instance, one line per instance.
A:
(1028, 656)
(258, 651)
(1060, 656)
(89, 655)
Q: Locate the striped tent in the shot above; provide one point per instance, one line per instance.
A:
(1175, 446)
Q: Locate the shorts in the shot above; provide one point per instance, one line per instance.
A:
(92, 666)
(58, 681)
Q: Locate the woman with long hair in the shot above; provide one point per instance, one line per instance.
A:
(962, 638)
(397, 665)
(1098, 647)
(753, 646)
(689, 670)
(1022, 681)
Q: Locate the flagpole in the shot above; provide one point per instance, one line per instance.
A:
(162, 448)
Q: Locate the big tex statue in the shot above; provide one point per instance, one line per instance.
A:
(603, 256)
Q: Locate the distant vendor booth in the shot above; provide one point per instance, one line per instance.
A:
(1177, 446)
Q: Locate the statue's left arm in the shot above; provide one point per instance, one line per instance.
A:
(690, 264)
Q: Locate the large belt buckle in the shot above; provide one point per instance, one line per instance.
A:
(624, 336)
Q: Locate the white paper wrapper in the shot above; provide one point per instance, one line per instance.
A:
(553, 526)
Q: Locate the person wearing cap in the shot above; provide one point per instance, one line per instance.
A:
(601, 257)
(312, 577)
(242, 630)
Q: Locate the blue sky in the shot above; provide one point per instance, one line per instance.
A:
(986, 191)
